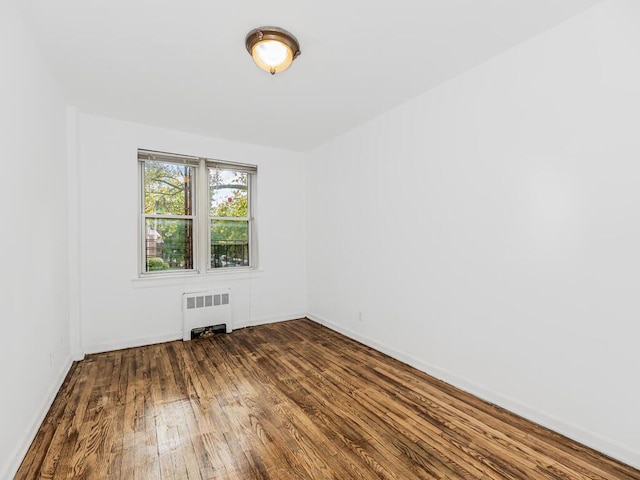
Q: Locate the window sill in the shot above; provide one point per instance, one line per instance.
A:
(167, 280)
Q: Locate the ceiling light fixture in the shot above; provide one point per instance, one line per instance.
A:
(272, 48)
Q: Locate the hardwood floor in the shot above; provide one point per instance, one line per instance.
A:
(292, 400)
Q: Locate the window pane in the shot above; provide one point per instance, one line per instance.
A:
(167, 188)
(169, 244)
(229, 243)
(229, 193)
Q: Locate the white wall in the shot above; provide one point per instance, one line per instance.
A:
(488, 231)
(119, 310)
(34, 343)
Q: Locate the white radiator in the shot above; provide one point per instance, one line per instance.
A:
(203, 309)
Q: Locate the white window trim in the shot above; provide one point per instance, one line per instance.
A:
(201, 223)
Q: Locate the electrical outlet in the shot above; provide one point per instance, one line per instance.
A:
(360, 317)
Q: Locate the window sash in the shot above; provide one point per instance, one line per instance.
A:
(227, 246)
(169, 253)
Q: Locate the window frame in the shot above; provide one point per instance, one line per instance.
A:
(248, 219)
(200, 215)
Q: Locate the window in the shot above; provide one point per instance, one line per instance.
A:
(196, 214)
(229, 214)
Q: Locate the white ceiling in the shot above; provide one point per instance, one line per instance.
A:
(182, 64)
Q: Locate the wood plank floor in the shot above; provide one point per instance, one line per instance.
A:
(292, 400)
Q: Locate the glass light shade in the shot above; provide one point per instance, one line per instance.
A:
(272, 48)
(272, 56)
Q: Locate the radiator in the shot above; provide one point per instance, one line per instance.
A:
(204, 309)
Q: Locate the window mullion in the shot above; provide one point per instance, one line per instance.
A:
(202, 215)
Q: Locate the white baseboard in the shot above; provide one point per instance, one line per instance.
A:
(131, 343)
(22, 446)
(142, 341)
(266, 320)
(585, 437)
